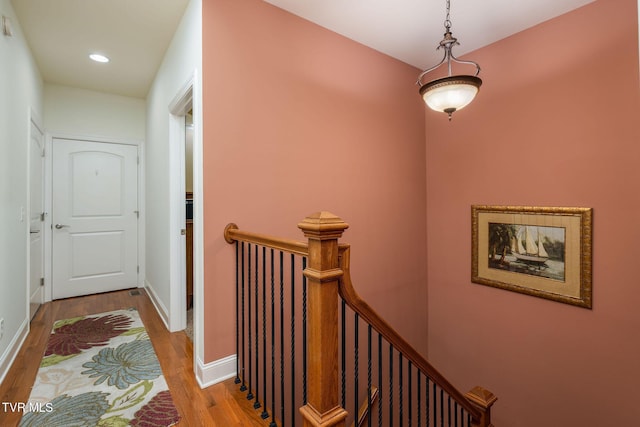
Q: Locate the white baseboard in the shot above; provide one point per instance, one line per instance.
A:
(206, 374)
(216, 371)
(157, 303)
(12, 350)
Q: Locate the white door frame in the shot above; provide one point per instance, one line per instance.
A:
(35, 120)
(186, 98)
(48, 202)
(177, 215)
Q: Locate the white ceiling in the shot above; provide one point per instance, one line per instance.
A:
(136, 33)
(410, 30)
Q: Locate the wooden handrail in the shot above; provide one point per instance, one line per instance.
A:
(475, 400)
(233, 234)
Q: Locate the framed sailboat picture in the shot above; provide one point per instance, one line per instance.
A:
(539, 251)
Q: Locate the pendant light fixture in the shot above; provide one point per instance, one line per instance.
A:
(454, 92)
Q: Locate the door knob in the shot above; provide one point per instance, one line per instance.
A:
(59, 226)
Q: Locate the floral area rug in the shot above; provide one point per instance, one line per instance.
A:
(100, 371)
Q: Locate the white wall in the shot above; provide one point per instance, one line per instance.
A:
(182, 60)
(89, 113)
(21, 89)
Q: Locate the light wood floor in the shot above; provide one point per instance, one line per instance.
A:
(221, 405)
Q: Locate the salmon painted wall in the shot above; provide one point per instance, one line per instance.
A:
(297, 120)
(557, 123)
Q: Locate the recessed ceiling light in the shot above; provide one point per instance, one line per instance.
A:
(98, 58)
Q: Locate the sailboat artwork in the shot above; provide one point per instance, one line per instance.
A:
(527, 249)
(534, 251)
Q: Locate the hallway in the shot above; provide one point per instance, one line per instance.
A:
(220, 405)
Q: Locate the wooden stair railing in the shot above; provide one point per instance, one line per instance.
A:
(477, 402)
(328, 276)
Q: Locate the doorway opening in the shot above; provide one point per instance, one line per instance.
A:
(36, 216)
(185, 173)
(188, 184)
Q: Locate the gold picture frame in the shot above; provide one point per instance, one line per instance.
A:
(540, 251)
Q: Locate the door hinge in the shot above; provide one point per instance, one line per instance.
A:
(138, 269)
(42, 215)
(137, 214)
(42, 281)
(138, 160)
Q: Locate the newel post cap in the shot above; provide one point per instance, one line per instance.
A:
(481, 397)
(323, 225)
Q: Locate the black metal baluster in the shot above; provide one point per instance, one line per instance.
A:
(282, 420)
(410, 411)
(293, 342)
(448, 410)
(419, 381)
(380, 380)
(304, 332)
(273, 346)
(391, 385)
(243, 387)
(428, 403)
(256, 404)
(237, 380)
(264, 414)
(250, 342)
(401, 389)
(356, 318)
(369, 375)
(435, 405)
(343, 340)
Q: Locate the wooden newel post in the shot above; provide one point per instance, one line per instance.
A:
(482, 399)
(323, 271)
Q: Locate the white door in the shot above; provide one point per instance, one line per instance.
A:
(36, 218)
(94, 217)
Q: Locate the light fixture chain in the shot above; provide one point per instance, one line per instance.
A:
(447, 21)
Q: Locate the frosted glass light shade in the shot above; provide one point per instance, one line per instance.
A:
(451, 93)
(98, 57)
